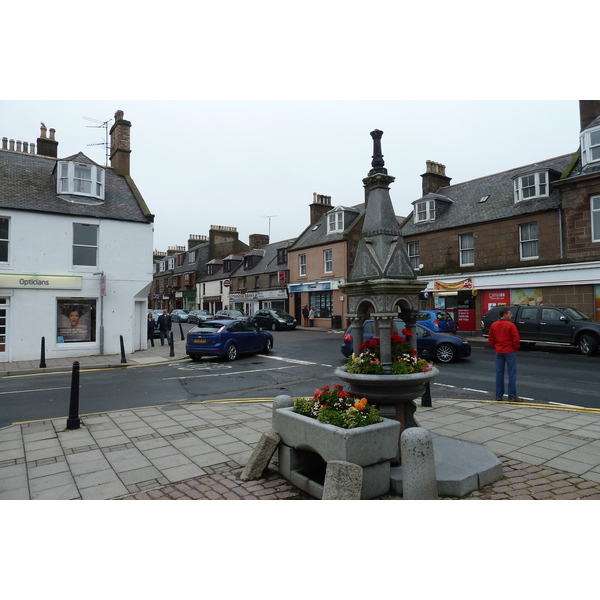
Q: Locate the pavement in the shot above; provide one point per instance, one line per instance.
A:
(197, 450)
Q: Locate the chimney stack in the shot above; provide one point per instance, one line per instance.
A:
(120, 138)
(434, 177)
(588, 111)
(47, 146)
(258, 240)
(320, 206)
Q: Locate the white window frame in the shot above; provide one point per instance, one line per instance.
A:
(191, 257)
(5, 241)
(171, 263)
(335, 221)
(528, 239)
(424, 211)
(466, 247)
(595, 217)
(67, 179)
(302, 265)
(163, 266)
(88, 247)
(590, 146)
(328, 261)
(413, 254)
(532, 185)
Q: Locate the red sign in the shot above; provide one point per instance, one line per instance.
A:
(281, 276)
(226, 283)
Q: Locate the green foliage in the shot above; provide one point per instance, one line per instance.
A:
(337, 407)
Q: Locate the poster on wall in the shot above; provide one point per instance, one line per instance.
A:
(597, 298)
(75, 320)
(527, 296)
(494, 298)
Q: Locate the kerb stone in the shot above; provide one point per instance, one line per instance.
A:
(343, 481)
(418, 465)
(261, 456)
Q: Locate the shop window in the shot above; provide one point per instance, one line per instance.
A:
(76, 320)
(322, 302)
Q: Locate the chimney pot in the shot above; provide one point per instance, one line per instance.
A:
(4, 143)
(12, 145)
(43, 130)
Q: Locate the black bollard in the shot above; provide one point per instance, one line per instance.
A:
(181, 331)
(426, 397)
(74, 422)
(123, 359)
(43, 355)
(171, 344)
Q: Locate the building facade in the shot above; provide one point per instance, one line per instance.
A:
(530, 235)
(66, 225)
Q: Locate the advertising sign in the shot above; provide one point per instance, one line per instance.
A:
(74, 320)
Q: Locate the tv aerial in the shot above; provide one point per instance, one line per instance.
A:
(103, 125)
(268, 217)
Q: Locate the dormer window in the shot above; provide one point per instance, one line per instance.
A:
(424, 211)
(534, 185)
(171, 263)
(80, 179)
(248, 262)
(590, 146)
(335, 221)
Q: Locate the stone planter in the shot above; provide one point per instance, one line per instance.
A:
(394, 395)
(307, 445)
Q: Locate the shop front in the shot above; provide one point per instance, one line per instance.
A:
(468, 299)
(328, 303)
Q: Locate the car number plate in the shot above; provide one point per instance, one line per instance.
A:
(200, 341)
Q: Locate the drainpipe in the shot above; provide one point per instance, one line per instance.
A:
(102, 294)
(560, 234)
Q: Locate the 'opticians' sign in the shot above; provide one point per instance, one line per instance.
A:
(40, 282)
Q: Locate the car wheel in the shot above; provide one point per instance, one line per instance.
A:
(445, 353)
(273, 326)
(232, 352)
(588, 345)
(267, 347)
(195, 357)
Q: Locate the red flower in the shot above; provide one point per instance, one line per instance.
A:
(406, 332)
(326, 388)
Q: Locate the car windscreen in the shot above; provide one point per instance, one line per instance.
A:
(576, 314)
(281, 313)
(207, 328)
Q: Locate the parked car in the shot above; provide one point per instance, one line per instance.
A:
(226, 338)
(547, 324)
(197, 316)
(231, 314)
(178, 314)
(437, 320)
(274, 319)
(434, 345)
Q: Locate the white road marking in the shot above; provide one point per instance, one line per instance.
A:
(40, 390)
(230, 373)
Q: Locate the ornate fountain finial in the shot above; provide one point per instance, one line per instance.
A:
(377, 162)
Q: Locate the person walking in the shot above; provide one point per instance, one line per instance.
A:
(305, 315)
(164, 323)
(504, 338)
(311, 316)
(151, 329)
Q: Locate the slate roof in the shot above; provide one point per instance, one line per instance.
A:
(316, 234)
(27, 182)
(465, 207)
(268, 262)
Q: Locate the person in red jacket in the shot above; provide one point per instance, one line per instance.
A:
(504, 338)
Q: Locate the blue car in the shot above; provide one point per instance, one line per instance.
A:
(433, 345)
(226, 338)
(437, 320)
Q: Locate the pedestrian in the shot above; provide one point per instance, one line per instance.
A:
(164, 323)
(305, 315)
(151, 329)
(504, 338)
(311, 316)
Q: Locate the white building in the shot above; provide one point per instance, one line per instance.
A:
(75, 251)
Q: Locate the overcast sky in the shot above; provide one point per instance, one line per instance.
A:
(237, 163)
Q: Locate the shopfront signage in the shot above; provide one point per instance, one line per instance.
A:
(40, 282)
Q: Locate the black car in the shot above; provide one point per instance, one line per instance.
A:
(274, 319)
(442, 347)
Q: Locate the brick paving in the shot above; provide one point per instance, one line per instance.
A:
(521, 481)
